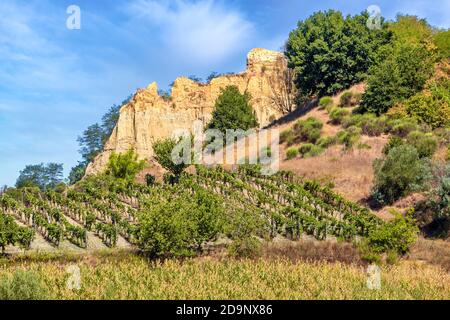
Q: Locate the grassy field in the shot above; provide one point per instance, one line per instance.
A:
(123, 275)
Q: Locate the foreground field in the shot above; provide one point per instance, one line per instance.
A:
(123, 275)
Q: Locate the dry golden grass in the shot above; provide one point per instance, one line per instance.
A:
(128, 276)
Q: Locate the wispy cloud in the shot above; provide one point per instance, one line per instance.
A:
(203, 31)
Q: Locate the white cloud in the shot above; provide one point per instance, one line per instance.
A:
(205, 31)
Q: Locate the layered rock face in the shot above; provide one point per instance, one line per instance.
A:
(149, 117)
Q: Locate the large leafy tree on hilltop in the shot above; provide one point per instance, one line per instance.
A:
(402, 67)
(330, 52)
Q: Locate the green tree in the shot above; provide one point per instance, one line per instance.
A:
(398, 174)
(125, 165)
(330, 52)
(402, 67)
(233, 111)
(179, 224)
(43, 176)
(163, 154)
(77, 173)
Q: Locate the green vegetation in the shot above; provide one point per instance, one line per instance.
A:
(396, 235)
(291, 153)
(132, 277)
(442, 41)
(308, 150)
(11, 233)
(330, 52)
(398, 174)
(432, 106)
(42, 176)
(124, 166)
(338, 114)
(325, 102)
(349, 99)
(233, 111)
(307, 130)
(163, 154)
(401, 68)
(22, 285)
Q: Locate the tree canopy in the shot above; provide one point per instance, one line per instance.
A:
(233, 110)
(330, 52)
(43, 176)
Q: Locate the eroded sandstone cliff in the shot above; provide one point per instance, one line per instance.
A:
(148, 116)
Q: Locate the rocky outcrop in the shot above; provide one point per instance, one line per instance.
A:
(149, 116)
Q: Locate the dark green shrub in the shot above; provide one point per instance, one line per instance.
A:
(180, 224)
(425, 144)
(402, 127)
(233, 110)
(338, 114)
(398, 174)
(310, 150)
(392, 143)
(349, 136)
(125, 165)
(287, 136)
(305, 148)
(400, 72)
(308, 130)
(22, 285)
(346, 100)
(325, 142)
(291, 153)
(396, 235)
(247, 247)
(325, 102)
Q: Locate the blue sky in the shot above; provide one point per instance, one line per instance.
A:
(54, 82)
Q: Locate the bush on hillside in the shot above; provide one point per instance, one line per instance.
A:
(393, 142)
(325, 102)
(425, 144)
(325, 142)
(397, 235)
(291, 153)
(398, 174)
(287, 136)
(402, 127)
(308, 130)
(346, 100)
(337, 115)
(349, 137)
(432, 106)
(124, 165)
(442, 41)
